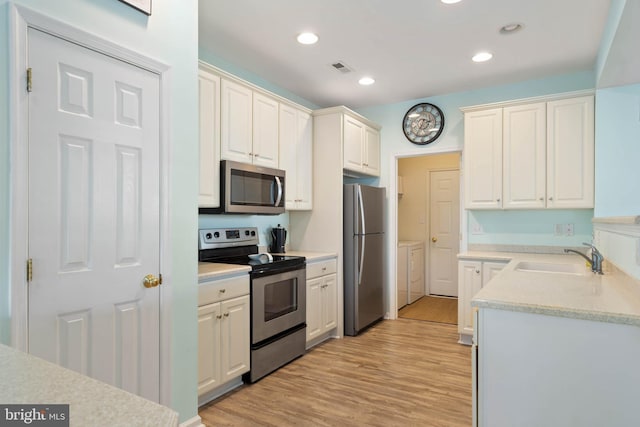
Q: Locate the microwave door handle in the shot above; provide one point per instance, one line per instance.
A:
(279, 196)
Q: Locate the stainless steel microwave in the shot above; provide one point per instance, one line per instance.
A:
(249, 189)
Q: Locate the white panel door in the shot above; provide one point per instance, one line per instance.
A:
(329, 314)
(209, 362)
(236, 122)
(209, 126)
(524, 156)
(470, 282)
(94, 214)
(304, 185)
(483, 159)
(570, 153)
(444, 225)
(235, 337)
(314, 309)
(372, 151)
(265, 131)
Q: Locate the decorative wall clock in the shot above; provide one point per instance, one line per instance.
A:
(423, 123)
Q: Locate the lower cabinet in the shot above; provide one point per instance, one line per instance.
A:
(472, 276)
(322, 316)
(223, 333)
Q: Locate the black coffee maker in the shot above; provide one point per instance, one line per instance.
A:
(278, 238)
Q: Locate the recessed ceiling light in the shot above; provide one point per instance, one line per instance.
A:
(449, 1)
(366, 81)
(511, 28)
(307, 38)
(481, 57)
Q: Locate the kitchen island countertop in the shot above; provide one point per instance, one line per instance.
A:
(27, 379)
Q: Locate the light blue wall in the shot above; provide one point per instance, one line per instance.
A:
(215, 60)
(170, 35)
(613, 19)
(618, 151)
(500, 227)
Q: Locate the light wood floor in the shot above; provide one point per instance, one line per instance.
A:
(398, 373)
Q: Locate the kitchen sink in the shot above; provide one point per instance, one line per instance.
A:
(548, 267)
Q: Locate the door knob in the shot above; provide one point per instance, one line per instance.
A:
(151, 281)
(434, 239)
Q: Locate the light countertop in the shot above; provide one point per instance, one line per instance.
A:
(27, 379)
(613, 297)
(312, 256)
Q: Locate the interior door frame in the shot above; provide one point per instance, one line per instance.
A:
(20, 20)
(392, 245)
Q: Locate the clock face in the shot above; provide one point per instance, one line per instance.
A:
(423, 123)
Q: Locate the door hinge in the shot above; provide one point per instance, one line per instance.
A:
(160, 279)
(29, 79)
(29, 270)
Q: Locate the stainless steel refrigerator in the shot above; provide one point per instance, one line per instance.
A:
(364, 256)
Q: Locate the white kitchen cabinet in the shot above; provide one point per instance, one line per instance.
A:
(249, 125)
(223, 333)
(265, 130)
(209, 137)
(296, 138)
(411, 270)
(321, 300)
(483, 159)
(236, 126)
(530, 155)
(537, 370)
(570, 153)
(473, 274)
(361, 147)
(524, 156)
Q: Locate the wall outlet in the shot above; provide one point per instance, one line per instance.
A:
(568, 229)
(558, 229)
(476, 228)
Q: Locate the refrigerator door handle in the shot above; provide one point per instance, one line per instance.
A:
(362, 246)
(362, 230)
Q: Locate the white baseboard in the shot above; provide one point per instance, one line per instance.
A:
(193, 422)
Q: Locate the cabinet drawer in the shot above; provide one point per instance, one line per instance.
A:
(222, 289)
(321, 268)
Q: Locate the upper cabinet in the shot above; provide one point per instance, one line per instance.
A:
(249, 129)
(361, 147)
(244, 123)
(209, 128)
(530, 155)
(296, 137)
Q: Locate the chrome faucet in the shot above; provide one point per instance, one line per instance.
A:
(596, 257)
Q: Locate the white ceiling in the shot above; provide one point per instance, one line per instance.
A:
(413, 48)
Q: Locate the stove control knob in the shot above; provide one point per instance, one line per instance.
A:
(207, 236)
(246, 232)
(253, 233)
(216, 234)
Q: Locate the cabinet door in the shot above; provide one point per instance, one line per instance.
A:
(209, 318)
(469, 283)
(235, 337)
(288, 157)
(209, 128)
(265, 131)
(524, 156)
(329, 312)
(314, 311)
(490, 270)
(305, 162)
(570, 153)
(416, 272)
(483, 159)
(236, 122)
(353, 144)
(371, 163)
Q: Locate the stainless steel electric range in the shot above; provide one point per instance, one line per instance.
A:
(278, 296)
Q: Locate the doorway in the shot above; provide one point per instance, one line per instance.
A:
(428, 216)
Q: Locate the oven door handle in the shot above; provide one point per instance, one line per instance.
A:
(279, 196)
